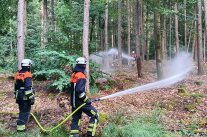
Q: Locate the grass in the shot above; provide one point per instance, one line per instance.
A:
(61, 132)
(148, 125)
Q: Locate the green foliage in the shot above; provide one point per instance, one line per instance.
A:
(51, 64)
(190, 130)
(35, 132)
(143, 126)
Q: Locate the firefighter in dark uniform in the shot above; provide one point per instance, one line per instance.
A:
(23, 93)
(78, 97)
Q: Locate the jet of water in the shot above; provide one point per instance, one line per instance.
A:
(182, 65)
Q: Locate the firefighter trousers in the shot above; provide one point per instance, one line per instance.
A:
(92, 113)
(24, 113)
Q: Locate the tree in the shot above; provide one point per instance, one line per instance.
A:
(199, 44)
(205, 9)
(119, 34)
(185, 25)
(85, 38)
(157, 37)
(176, 29)
(128, 26)
(106, 58)
(20, 32)
(44, 38)
(137, 33)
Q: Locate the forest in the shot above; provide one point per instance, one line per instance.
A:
(145, 65)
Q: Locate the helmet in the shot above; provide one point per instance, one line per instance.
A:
(81, 60)
(26, 62)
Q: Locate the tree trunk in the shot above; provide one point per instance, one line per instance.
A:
(119, 34)
(44, 24)
(199, 44)
(20, 32)
(137, 32)
(129, 29)
(101, 40)
(157, 37)
(25, 17)
(92, 27)
(163, 38)
(53, 14)
(147, 33)
(205, 9)
(106, 58)
(85, 39)
(176, 29)
(185, 25)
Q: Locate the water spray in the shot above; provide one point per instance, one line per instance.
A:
(175, 71)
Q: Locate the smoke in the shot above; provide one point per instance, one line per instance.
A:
(175, 71)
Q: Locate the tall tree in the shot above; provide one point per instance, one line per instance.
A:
(120, 33)
(176, 29)
(85, 38)
(185, 25)
(157, 37)
(138, 33)
(53, 15)
(44, 23)
(25, 17)
(20, 32)
(205, 9)
(106, 62)
(128, 26)
(199, 44)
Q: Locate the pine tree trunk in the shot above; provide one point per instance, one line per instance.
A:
(128, 29)
(199, 44)
(185, 26)
(138, 32)
(25, 17)
(44, 24)
(176, 29)
(85, 39)
(20, 32)
(120, 34)
(158, 44)
(205, 9)
(106, 58)
(53, 14)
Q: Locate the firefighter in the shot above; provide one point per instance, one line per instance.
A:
(23, 93)
(78, 97)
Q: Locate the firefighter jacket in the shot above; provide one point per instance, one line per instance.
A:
(23, 86)
(78, 87)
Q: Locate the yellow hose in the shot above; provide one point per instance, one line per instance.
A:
(51, 129)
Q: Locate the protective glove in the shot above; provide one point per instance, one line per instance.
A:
(32, 101)
(88, 101)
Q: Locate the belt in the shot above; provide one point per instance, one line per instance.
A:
(21, 88)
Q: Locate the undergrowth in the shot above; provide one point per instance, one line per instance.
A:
(147, 125)
(35, 132)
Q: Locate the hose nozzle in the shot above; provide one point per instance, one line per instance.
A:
(97, 99)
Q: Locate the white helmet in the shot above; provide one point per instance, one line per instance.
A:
(26, 62)
(81, 60)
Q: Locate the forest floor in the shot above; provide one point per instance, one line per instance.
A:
(184, 104)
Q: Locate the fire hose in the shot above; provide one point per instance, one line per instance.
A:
(62, 122)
